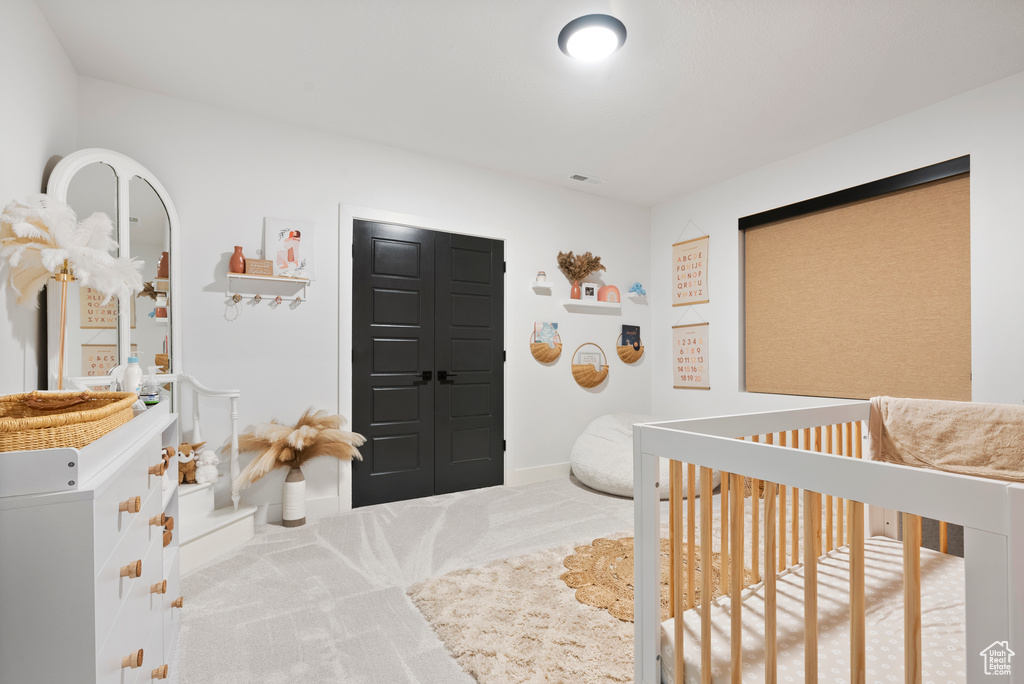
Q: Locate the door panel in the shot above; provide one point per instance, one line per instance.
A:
(431, 302)
(470, 348)
(392, 344)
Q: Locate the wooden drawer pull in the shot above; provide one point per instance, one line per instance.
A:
(167, 538)
(158, 520)
(169, 522)
(158, 469)
(132, 570)
(132, 505)
(133, 661)
(160, 672)
(159, 588)
(178, 602)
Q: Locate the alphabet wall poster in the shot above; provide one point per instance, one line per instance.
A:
(690, 356)
(690, 272)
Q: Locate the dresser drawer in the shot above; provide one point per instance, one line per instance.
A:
(172, 615)
(133, 480)
(132, 629)
(127, 602)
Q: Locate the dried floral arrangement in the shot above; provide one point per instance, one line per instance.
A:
(577, 268)
(284, 446)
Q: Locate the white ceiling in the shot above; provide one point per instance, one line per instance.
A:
(703, 89)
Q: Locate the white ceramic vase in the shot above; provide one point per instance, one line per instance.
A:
(293, 500)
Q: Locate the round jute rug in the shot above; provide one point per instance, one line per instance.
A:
(602, 575)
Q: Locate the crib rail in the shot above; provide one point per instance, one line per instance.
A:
(810, 461)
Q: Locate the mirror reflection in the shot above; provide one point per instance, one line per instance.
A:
(149, 241)
(92, 327)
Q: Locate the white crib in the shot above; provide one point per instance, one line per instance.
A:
(755, 446)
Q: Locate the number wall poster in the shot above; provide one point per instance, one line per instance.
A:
(690, 356)
(690, 272)
(98, 359)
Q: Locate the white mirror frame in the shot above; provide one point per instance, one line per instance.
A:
(125, 168)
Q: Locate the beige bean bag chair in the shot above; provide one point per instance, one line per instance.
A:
(602, 457)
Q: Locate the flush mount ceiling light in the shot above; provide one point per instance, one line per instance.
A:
(592, 37)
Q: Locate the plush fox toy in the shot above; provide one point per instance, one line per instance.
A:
(187, 462)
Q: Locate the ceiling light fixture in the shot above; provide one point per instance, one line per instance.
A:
(592, 37)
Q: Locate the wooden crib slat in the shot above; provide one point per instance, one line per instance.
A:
(755, 547)
(812, 535)
(675, 532)
(812, 523)
(782, 526)
(705, 575)
(858, 634)
(676, 543)
(691, 534)
(912, 598)
(840, 504)
(736, 604)
(794, 553)
(943, 541)
(770, 599)
(859, 448)
(723, 573)
(755, 529)
(828, 498)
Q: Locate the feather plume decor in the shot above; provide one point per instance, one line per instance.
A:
(289, 446)
(42, 236)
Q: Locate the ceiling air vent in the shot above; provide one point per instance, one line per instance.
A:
(592, 180)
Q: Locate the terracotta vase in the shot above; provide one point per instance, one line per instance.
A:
(237, 262)
(162, 266)
(575, 292)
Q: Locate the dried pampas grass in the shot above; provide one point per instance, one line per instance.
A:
(285, 446)
(579, 267)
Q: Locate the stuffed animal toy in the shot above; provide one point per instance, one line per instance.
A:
(187, 462)
(206, 466)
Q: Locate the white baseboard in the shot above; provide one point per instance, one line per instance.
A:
(537, 474)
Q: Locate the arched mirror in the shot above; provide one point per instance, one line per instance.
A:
(99, 337)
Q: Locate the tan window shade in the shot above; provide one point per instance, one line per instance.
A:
(869, 298)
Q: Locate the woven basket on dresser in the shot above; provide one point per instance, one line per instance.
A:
(544, 352)
(585, 374)
(23, 427)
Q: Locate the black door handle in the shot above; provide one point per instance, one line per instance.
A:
(426, 375)
(442, 376)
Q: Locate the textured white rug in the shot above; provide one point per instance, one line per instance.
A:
(514, 621)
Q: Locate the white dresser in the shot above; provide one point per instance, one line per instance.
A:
(88, 590)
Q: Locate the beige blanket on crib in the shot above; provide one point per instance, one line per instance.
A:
(985, 440)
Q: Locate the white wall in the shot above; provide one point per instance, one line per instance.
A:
(987, 124)
(225, 172)
(37, 121)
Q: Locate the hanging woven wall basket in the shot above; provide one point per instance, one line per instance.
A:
(544, 352)
(627, 353)
(585, 374)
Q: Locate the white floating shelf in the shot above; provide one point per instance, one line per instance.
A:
(592, 307)
(284, 279)
(268, 287)
(539, 285)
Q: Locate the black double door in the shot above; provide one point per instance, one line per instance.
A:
(427, 362)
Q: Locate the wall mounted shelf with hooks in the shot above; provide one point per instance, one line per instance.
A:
(268, 288)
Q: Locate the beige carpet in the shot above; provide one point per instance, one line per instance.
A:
(515, 621)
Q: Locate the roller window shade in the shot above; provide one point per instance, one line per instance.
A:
(868, 298)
